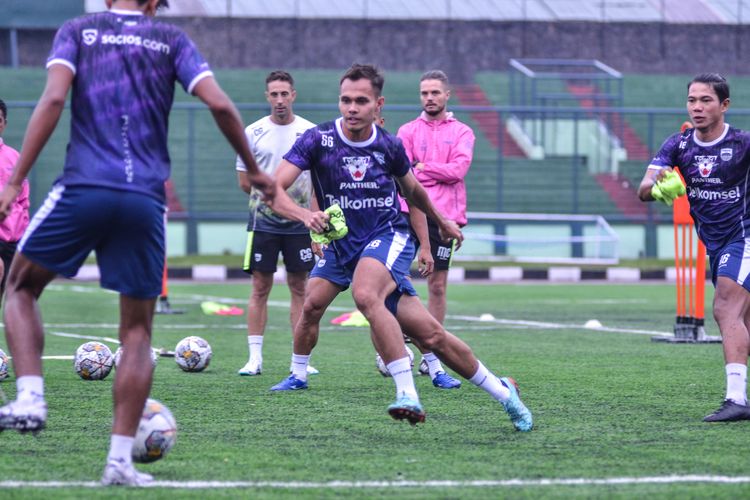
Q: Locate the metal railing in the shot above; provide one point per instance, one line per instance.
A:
(501, 180)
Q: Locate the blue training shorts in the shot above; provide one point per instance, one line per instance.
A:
(732, 261)
(124, 228)
(394, 250)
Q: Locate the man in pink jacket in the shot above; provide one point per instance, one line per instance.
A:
(13, 227)
(440, 149)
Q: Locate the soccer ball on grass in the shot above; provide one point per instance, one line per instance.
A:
(93, 361)
(118, 355)
(157, 433)
(192, 354)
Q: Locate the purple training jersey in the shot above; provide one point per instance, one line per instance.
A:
(358, 176)
(125, 67)
(716, 175)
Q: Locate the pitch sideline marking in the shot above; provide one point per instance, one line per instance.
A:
(673, 479)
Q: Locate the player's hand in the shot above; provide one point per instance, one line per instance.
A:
(664, 172)
(425, 262)
(263, 183)
(451, 231)
(7, 197)
(667, 187)
(317, 248)
(317, 222)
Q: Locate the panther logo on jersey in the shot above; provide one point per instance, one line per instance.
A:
(90, 36)
(705, 164)
(357, 166)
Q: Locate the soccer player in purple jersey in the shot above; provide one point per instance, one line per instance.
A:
(355, 164)
(122, 66)
(714, 159)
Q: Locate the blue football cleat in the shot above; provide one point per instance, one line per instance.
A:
(519, 414)
(405, 408)
(444, 381)
(291, 383)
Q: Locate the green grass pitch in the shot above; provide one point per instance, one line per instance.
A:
(616, 415)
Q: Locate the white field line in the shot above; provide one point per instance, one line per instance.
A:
(85, 337)
(369, 485)
(543, 325)
(484, 325)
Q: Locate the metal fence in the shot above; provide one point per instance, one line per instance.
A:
(592, 162)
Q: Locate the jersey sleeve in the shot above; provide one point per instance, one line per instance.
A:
(239, 164)
(667, 154)
(65, 47)
(400, 165)
(406, 134)
(189, 64)
(302, 152)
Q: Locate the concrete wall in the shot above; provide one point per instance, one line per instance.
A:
(460, 47)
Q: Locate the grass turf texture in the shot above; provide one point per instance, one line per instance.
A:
(606, 405)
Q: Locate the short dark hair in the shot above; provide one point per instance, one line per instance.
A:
(714, 80)
(365, 72)
(279, 76)
(4, 109)
(435, 74)
(162, 3)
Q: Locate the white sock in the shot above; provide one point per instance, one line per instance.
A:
(484, 379)
(737, 382)
(255, 345)
(121, 448)
(403, 377)
(299, 366)
(29, 387)
(433, 364)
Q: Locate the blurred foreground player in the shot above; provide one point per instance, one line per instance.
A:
(122, 66)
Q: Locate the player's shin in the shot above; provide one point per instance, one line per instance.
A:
(486, 380)
(400, 369)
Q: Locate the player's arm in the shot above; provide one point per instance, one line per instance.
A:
(418, 221)
(417, 197)
(41, 125)
(243, 181)
(282, 204)
(228, 120)
(456, 166)
(316, 247)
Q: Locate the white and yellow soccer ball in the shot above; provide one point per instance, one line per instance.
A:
(3, 365)
(157, 433)
(93, 361)
(380, 364)
(118, 355)
(192, 354)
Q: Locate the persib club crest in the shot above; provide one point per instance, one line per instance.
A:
(89, 36)
(357, 166)
(705, 164)
(726, 154)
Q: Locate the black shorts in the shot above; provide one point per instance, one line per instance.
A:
(442, 251)
(262, 252)
(7, 251)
